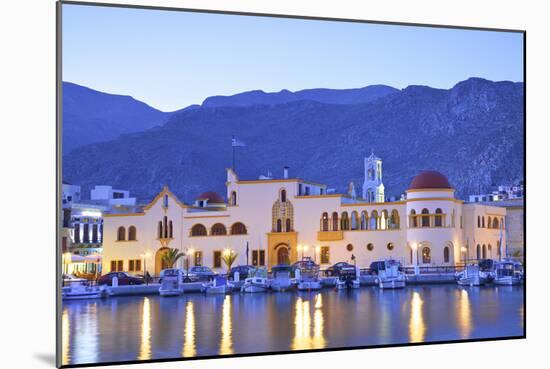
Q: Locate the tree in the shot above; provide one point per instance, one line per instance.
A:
(171, 256)
(229, 257)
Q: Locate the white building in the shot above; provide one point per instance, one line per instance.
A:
(373, 188)
(282, 220)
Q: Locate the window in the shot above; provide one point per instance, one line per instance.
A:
(390, 246)
(425, 218)
(478, 252)
(373, 220)
(170, 229)
(279, 225)
(198, 258)
(258, 257)
(121, 234)
(218, 229)
(438, 218)
(307, 190)
(478, 221)
(288, 226)
(117, 265)
(349, 247)
(86, 235)
(335, 221)
(165, 226)
(484, 252)
(238, 228)
(370, 247)
(159, 232)
(283, 195)
(482, 222)
(262, 257)
(77, 233)
(325, 254)
(132, 233)
(134, 265)
(344, 221)
(234, 198)
(446, 256)
(426, 255)
(414, 219)
(198, 230)
(324, 222)
(95, 238)
(300, 192)
(489, 223)
(217, 259)
(495, 223)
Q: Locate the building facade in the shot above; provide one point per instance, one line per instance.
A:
(282, 220)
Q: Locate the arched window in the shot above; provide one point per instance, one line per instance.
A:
(288, 225)
(238, 228)
(478, 221)
(484, 252)
(364, 222)
(77, 232)
(283, 195)
(218, 229)
(344, 221)
(86, 233)
(489, 251)
(279, 225)
(198, 230)
(234, 198)
(414, 219)
(132, 233)
(121, 234)
(394, 220)
(482, 222)
(170, 229)
(324, 222)
(446, 254)
(438, 218)
(489, 223)
(354, 221)
(159, 233)
(384, 220)
(425, 218)
(370, 247)
(495, 223)
(390, 246)
(478, 252)
(335, 221)
(426, 255)
(373, 220)
(165, 226)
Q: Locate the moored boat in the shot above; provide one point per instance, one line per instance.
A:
(170, 284)
(472, 276)
(255, 284)
(82, 291)
(281, 280)
(389, 275)
(348, 278)
(508, 273)
(219, 285)
(307, 276)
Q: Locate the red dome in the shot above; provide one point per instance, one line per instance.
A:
(429, 179)
(212, 197)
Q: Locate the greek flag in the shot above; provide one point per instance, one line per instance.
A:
(237, 143)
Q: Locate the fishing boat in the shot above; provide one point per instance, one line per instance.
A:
(508, 273)
(472, 276)
(255, 284)
(281, 280)
(307, 275)
(348, 278)
(82, 291)
(389, 275)
(170, 284)
(219, 285)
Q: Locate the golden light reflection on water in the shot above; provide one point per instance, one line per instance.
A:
(189, 348)
(226, 345)
(303, 337)
(145, 347)
(417, 328)
(65, 332)
(464, 315)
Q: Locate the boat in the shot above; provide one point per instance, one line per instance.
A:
(281, 280)
(307, 276)
(473, 276)
(348, 279)
(170, 284)
(219, 285)
(255, 284)
(508, 272)
(82, 291)
(389, 275)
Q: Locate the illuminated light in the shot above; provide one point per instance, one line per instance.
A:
(417, 328)
(65, 337)
(189, 348)
(318, 328)
(145, 346)
(92, 214)
(464, 315)
(414, 246)
(319, 301)
(226, 345)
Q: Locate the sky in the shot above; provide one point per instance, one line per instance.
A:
(171, 59)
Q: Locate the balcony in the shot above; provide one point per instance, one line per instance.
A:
(330, 236)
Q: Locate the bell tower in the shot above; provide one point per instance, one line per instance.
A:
(373, 188)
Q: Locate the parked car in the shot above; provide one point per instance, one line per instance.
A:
(202, 272)
(244, 271)
(339, 268)
(187, 276)
(124, 279)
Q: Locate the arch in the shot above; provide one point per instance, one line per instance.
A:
(446, 255)
(121, 234)
(438, 220)
(170, 229)
(373, 223)
(490, 251)
(364, 220)
(384, 219)
(132, 233)
(160, 264)
(414, 219)
(495, 223)
(394, 219)
(283, 254)
(425, 218)
(484, 252)
(234, 198)
(159, 230)
(279, 226)
(344, 221)
(354, 220)
(283, 195)
(478, 221)
(482, 222)
(218, 229)
(198, 230)
(334, 221)
(165, 226)
(238, 228)
(288, 225)
(324, 222)
(426, 255)
(478, 252)
(489, 223)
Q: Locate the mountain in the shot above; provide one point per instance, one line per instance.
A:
(324, 95)
(91, 116)
(473, 133)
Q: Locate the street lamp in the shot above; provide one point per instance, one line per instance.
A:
(144, 256)
(317, 250)
(188, 251)
(414, 247)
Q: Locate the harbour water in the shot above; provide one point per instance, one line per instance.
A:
(152, 327)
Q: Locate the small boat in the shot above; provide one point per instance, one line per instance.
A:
(255, 284)
(472, 276)
(347, 279)
(508, 273)
(281, 280)
(219, 285)
(308, 276)
(388, 275)
(82, 291)
(170, 284)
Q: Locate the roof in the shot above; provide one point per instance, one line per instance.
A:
(212, 197)
(429, 179)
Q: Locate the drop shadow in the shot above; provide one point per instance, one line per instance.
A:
(46, 358)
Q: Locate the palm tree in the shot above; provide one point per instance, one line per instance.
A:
(229, 257)
(170, 257)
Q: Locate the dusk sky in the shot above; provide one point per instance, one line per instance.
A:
(172, 59)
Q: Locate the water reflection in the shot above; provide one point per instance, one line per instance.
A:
(189, 348)
(303, 337)
(65, 329)
(417, 327)
(464, 314)
(145, 347)
(226, 345)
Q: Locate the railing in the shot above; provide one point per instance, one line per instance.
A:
(432, 269)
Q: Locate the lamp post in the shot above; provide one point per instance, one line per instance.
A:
(188, 251)
(144, 256)
(414, 247)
